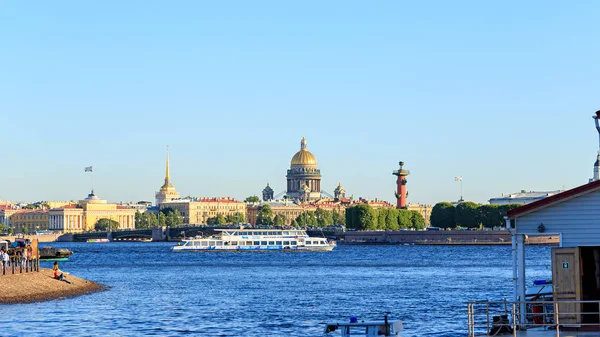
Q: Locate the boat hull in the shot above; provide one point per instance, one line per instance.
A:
(250, 249)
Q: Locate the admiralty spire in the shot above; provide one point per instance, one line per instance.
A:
(167, 192)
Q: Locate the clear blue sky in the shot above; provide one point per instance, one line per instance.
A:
(499, 93)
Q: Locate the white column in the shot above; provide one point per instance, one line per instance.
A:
(521, 274)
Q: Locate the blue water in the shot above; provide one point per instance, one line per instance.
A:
(154, 292)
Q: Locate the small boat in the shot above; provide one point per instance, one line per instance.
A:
(98, 240)
(541, 312)
(54, 254)
(257, 240)
(366, 328)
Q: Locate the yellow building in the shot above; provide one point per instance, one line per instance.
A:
(198, 210)
(167, 191)
(425, 211)
(6, 211)
(84, 215)
(32, 219)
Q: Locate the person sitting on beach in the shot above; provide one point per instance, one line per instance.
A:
(59, 274)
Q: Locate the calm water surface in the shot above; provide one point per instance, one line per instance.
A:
(158, 293)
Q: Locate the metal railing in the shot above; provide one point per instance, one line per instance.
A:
(487, 318)
(16, 265)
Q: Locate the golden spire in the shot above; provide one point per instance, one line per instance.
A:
(303, 144)
(167, 178)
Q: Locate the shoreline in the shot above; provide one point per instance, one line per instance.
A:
(41, 286)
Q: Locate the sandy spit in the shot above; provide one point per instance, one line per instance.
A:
(41, 286)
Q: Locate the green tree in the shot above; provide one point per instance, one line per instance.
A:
(105, 224)
(337, 218)
(252, 198)
(382, 217)
(220, 220)
(417, 220)
(307, 219)
(174, 218)
(2, 228)
(442, 215)
(361, 217)
(162, 219)
(294, 223)
(24, 230)
(324, 217)
(151, 219)
(141, 221)
(467, 214)
(265, 215)
(279, 220)
(391, 220)
(404, 219)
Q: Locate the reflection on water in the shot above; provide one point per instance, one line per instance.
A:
(156, 292)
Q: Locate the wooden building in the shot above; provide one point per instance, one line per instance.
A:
(573, 215)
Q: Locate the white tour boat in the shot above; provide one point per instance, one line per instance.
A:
(256, 239)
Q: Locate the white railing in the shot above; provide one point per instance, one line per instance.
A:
(487, 318)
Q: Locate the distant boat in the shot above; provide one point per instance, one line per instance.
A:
(257, 240)
(97, 240)
(54, 254)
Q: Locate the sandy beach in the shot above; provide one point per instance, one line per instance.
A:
(41, 286)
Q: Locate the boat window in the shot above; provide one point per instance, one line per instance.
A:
(285, 233)
(248, 243)
(271, 243)
(309, 242)
(264, 243)
(286, 242)
(205, 243)
(294, 243)
(256, 243)
(212, 243)
(219, 243)
(234, 243)
(278, 243)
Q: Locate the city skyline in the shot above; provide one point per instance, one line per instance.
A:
(498, 94)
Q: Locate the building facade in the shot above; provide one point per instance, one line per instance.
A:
(198, 210)
(522, 197)
(32, 219)
(303, 177)
(84, 216)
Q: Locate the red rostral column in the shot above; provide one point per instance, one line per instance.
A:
(401, 193)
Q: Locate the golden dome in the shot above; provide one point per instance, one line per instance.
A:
(303, 157)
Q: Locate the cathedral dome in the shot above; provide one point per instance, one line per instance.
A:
(304, 157)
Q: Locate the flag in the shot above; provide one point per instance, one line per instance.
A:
(88, 169)
(457, 178)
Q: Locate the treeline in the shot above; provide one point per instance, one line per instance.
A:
(221, 219)
(469, 215)
(166, 217)
(318, 218)
(364, 217)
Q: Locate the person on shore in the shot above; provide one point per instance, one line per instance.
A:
(2, 261)
(23, 259)
(59, 274)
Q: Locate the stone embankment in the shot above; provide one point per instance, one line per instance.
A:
(41, 237)
(41, 286)
(451, 237)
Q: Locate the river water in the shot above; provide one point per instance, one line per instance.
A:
(154, 292)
